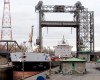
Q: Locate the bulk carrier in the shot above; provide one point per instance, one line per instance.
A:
(30, 61)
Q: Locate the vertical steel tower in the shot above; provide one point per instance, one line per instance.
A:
(6, 31)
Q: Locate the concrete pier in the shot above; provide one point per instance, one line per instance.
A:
(92, 74)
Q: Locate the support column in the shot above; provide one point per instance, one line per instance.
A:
(40, 32)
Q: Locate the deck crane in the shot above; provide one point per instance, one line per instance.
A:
(30, 49)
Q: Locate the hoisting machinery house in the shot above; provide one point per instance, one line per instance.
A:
(83, 21)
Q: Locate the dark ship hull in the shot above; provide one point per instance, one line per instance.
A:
(30, 61)
(31, 66)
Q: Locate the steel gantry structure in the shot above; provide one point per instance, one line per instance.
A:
(83, 21)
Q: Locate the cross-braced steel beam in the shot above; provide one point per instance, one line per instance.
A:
(8, 45)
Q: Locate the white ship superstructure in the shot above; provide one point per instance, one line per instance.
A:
(30, 61)
(63, 49)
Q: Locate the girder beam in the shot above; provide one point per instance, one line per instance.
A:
(59, 24)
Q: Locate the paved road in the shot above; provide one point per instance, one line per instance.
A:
(92, 74)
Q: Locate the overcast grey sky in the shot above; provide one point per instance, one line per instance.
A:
(24, 16)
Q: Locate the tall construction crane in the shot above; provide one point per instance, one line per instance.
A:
(30, 49)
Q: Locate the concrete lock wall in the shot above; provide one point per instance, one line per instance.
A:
(97, 64)
(80, 67)
(66, 67)
(3, 60)
(84, 56)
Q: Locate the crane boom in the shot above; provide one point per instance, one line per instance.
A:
(30, 40)
(31, 36)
